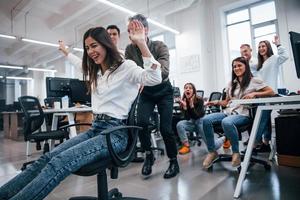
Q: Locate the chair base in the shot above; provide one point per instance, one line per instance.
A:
(113, 194)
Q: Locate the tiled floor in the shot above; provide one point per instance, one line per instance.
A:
(193, 183)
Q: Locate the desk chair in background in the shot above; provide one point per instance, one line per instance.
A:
(113, 162)
(214, 96)
(200, 93)
(33, 119)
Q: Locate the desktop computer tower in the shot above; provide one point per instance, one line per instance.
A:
(287, 127)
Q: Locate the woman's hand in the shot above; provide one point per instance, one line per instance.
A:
(251, 95)
(183, 103)
(276, 40)
(212, 103)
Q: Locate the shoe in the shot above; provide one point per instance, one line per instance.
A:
(184, 150)
(219, 142)
(173, 169)
(236, 160)
(264, 148)
(147, 167)
(226, 144)
(209, 160)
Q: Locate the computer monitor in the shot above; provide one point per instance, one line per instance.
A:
(295, 43)
(79, 92)
(57, 87)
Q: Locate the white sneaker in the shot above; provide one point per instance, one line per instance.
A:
(219, 142)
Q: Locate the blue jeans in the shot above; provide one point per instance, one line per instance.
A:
(265, 127)
(229, 124)
(41, 177)
(189, 126)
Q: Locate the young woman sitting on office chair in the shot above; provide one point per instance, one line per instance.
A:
(115, 84)
(242, 86)
(191, 106)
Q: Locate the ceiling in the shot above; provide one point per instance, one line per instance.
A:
(51, 20)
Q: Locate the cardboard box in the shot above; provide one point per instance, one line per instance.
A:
(287, 160)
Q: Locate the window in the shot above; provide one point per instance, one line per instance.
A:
(251, 24)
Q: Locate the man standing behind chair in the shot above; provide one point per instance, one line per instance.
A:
(246, 52)
(160, 95)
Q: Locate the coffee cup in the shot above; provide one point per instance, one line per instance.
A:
(56, 105)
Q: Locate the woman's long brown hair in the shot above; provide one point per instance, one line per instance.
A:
(113, 58)
(260, 58)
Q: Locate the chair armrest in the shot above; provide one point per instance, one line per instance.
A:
(123, 160)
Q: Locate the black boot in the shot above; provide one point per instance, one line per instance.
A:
(173, 169)
(149, 161)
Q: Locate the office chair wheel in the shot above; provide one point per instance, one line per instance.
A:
(114, 193)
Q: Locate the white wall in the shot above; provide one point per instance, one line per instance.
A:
(203, 32)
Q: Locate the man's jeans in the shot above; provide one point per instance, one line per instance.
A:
(41, 177)
(229, 124)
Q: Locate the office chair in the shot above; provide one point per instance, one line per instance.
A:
(200, 93)
(214, 96)
(33, 120)
(113, 162)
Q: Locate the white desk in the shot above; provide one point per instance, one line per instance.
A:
(274, 103)
(69, 112)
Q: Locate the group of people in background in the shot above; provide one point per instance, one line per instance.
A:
(117, 76)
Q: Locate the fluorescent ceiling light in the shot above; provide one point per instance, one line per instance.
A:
(117, 7)
(11, 67)
(133, 13)
(1, 76)
(8, 36)
(77, 49)
(40, 42)
(41, 69)
(18, 78)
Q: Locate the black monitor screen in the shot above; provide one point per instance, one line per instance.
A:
(79, 92)
(57, 87)
(295, 43)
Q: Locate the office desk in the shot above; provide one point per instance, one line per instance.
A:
(273, 103)
(69, 112)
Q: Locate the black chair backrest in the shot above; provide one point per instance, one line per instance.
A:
(127, 156)
(200, 93)
(33, 114)
(215, 96)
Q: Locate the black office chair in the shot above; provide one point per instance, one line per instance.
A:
(214, 96)
(113, 162)
(33, 120)
(248, 127)
(200, 93)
